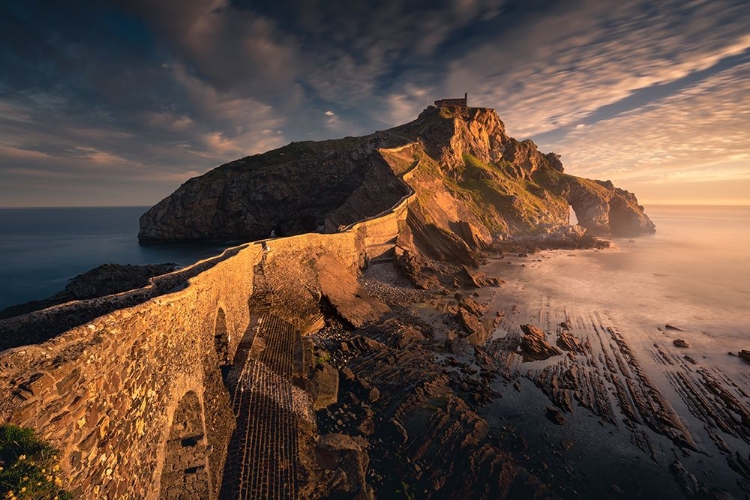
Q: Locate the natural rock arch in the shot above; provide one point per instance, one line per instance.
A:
(185, 475)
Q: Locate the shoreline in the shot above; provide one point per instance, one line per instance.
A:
(438, 402)
(619, 384)
(685, 378)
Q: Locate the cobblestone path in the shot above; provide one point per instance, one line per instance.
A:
(262, 457)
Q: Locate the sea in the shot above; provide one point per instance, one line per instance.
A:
(696, 266)
(694, 271)
(42, 248)
(637, 301)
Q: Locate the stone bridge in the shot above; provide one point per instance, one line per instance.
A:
(132, 388)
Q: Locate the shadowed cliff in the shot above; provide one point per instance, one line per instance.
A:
(474, 185)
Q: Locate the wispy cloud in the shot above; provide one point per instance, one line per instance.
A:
(569, 63)
(697, 134)
(145, 94)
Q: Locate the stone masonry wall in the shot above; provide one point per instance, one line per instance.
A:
(105, 393)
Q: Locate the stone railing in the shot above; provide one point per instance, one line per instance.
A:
(119, 374)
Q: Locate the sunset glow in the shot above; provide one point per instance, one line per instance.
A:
(115, 105)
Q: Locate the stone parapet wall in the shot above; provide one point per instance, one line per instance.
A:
(38, 326)
(104, 391)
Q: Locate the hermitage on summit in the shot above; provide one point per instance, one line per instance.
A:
(453, 103)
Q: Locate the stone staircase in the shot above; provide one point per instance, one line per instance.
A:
(262, 460)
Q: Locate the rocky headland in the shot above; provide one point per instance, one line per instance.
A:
(474, 184)
(399, 394)
(107, 279)
(378, 354)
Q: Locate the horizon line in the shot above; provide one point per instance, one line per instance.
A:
(660, 204)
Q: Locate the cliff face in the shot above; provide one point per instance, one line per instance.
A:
(291, 190)
(472, 183)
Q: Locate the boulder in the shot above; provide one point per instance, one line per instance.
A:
(472, 306)
(479, 279)
(347, 373)
(374, 394)
(347, 458)
(468, 321)
(324, 385)
(567, 342)
(554, 415)
(534, 346)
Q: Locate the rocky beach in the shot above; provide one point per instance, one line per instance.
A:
(519, 391)
(430, 326)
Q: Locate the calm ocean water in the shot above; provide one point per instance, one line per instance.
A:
(694, 272)
(697, 264)
(42, 248)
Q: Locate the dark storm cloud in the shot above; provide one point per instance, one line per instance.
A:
(120, 101)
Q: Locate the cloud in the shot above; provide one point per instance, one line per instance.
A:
(569, 63)
(169, 121)
(233, 49)
(107, 159)
(143, 93)
(230, 123)
(98, 157)
(9, 153)
(695, 135)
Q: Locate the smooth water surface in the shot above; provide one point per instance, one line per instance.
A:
(42, 248)
(695, 272)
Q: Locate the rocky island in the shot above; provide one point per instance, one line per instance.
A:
(465, 170)
(351, 349)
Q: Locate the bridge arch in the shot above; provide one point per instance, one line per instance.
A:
(185, 473)
(222, 338)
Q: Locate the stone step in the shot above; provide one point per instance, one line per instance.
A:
(262, 460)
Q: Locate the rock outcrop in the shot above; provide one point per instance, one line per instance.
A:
(345, 295)
(292, 190)
(534, 345)
(471, 183)
(599, 206)
(345, 457)
(106, 279)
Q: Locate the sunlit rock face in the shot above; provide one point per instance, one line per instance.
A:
(600, 207)
(460, 163)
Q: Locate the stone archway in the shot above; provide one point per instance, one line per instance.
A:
(221, 338)
(572, 216)
(185, 474)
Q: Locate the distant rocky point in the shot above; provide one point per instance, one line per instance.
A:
(106, 279)
(471, 179)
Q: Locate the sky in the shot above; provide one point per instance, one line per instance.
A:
(119, 102)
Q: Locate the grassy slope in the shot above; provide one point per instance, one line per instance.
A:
(506, 203)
